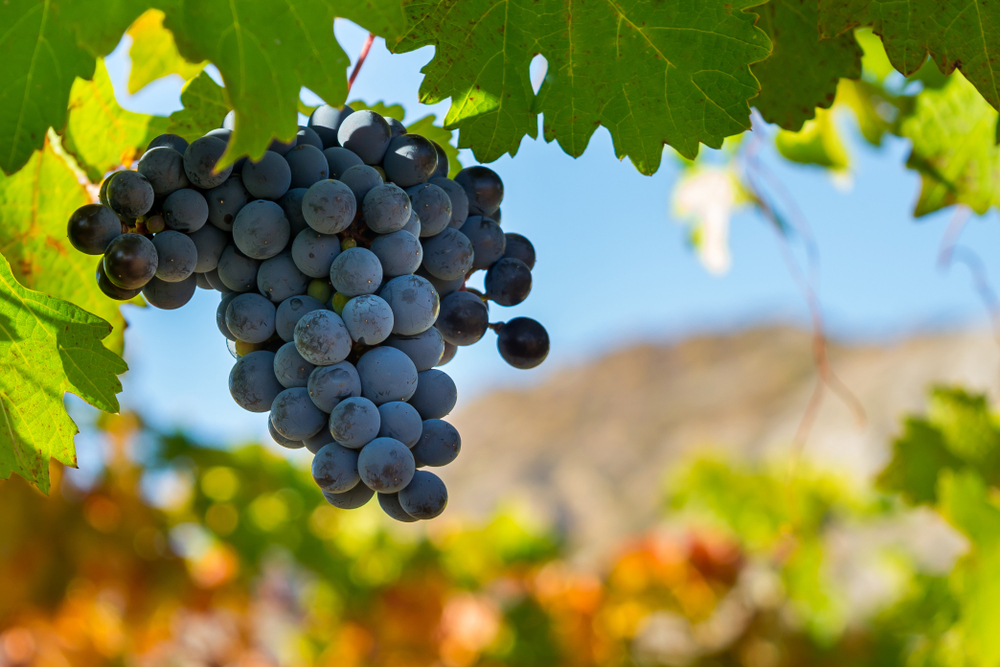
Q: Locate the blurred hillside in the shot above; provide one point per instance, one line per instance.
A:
(587, 450)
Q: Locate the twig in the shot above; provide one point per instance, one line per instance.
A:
(950, 251)
(361, 60)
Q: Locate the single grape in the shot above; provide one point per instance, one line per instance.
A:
(386, 208)
(459, 200)
(360, 179)
(92, 227)
(414, 303)
(523, 342)
(291, 204)
(338, 302)
(409, 159)
(356, 271)
(488, 241)
(464, 318)
(433, 206)
(290, 311)
(250, 317)
(335, 468)
(325, 120)
(154, 223)
(328, 385)
(268, 178)
(396, 128)
(368, 319)
(322, 338)
(508, 282)
(261, 230)
(200, 159)
(400, 421)
(290, 368)
(413, 225)
(318, 441)
(439, 444)
(294, 415)
(185, 210)
(518, 247)
(225, 201)
(483, 187)
(223, 133)
(389, 502)
(436, 394)
(176, 256)
(178, 143)
(400, 253)
(279, 278)
(313, 253)
(252, 382)
(448, 255)
(163, 167)
(329, 207)
(237, 271)
(449, 353)
(321, 290)
(354, 422)
(425, 497)
(365, 133)
(424, 349)
(386, 375)
(220, 315)
(443, 287)
(339, 160)
(441, 171)
(110, 289)
(130, 261)
(386, 465)
(169, 295)
(308, 165)
(306, 136)
(216, 282)
(130, 194)
(350, 500)
(282, 440)
(209, 241)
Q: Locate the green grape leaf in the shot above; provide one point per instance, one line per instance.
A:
(154, 53)
(205, 106)
(953, 132)
(803, 70)
(426, 127)
(917, 458)
(49, 347)
(45, 47)
(35, 205)
(265, 56)
(969, 429)
(818, 143)
(674, 73)
(958, 34)
(101, 135)
(876, 111)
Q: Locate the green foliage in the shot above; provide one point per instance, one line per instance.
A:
(816, 143)
(956, 33)
(675, 73)
(154, 53)
(803, 70)
(204, 108)
(49, 347)
(100, 135)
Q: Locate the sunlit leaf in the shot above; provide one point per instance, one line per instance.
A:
(154, 53)
(818, 143)
(205, 106)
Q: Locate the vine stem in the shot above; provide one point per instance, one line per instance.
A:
(361, 60)
(951, 252)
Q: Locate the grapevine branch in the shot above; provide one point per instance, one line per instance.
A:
(361, 60)
(950, 251)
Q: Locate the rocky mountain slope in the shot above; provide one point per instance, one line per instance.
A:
(590, 450)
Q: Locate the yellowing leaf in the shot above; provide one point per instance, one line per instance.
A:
(675, 72)
(35, 205)
(47, 347)
(817, 143)
(99, 133)
(154, 53)
(803, 70)
(204, 108)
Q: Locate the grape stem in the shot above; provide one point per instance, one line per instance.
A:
(361, 60)
(496, 326)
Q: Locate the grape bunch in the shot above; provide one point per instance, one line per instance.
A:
(342, 258)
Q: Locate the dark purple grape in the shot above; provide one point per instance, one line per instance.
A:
(396, 128)
(425, 497)
(463, 319)
(176, 256)
(185, 210)
(200, 159)
(225, 201)
(110, 289)
(365, 133)
(339, 160)
(308, 136)
(483, 187)
(169, 296)
(523, 343)
(130, 194)
(179, 144)
(508, 282)
(325, 120)
(92, 227)
(389, 502)
(163, 167)
(360, 179)
(409, 160)
(488, 241)
(307, 164)
(442, 165)
(267, 178)
(519, 247)
(130, 261)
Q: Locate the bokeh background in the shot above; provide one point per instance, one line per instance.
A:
(658, 492)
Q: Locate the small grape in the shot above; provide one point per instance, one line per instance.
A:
(185, 210)
(130, 261)
(328, 385)
(250, 317)
(483, 187)
(252, 382)
(308, 165)
(163, 167)
(523, 343)
(176, 256)
(294, 415)
(92, 227)
(169, 295)
(409, 159)
(335, 468)
(464, 318)
(200, 159)
(425, 497)
(365, 133)
(267, 178)
(439, 444)
(130, 195)
(389, 502)
(354, 422)
(508, 282)
(386, 465)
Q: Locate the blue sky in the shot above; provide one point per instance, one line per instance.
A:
(613, 266)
